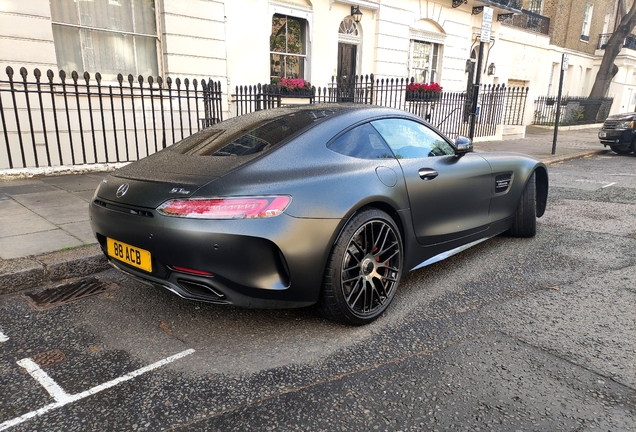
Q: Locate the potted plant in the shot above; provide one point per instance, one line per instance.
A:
(291, 87)
(423, 91)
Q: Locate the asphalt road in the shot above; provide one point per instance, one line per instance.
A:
(514, 334)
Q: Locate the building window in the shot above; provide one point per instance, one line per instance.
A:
(536, 6)
(424, 61)
(348, 27)
(587, 21)
(288, 47)
(105, 36)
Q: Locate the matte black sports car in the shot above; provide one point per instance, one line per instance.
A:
(323, 204)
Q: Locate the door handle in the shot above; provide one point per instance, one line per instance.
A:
(427, 173)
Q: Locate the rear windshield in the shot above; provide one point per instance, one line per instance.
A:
(240, 138)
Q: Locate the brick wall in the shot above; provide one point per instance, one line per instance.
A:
(566, 22)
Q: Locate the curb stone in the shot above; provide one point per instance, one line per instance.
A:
(22, 273)
(578, 155)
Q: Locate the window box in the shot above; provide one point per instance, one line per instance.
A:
(413, 96)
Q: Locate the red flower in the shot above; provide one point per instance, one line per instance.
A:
(424, 88)
(294, 83)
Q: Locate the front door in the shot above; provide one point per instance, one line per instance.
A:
(346, 72)
(449, 195)
(346, 59)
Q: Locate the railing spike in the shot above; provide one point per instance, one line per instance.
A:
(50, 75)
(87, 77)
(98, 78)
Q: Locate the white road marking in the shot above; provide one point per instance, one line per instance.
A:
(44, 379)
(59, 393)
(3, 337)
(608, 185)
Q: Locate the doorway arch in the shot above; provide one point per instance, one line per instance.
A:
(349, 47)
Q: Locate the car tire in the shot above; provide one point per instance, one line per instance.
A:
(618, 150)
(363, 270)
(525, 219)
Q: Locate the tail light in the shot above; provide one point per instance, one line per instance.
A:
(226, 208)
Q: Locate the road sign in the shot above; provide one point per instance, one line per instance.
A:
(486, 24)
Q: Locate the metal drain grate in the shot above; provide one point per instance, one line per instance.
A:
(68, 292)
(49, 358)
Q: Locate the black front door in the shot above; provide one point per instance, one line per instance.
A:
(346, 59)
(346, 72)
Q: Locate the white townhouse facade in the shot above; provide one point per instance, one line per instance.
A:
(245, 42)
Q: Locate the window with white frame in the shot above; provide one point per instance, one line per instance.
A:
(424, 61)
(587, 21)
(105, 36)
(536, 6)
(288, 47)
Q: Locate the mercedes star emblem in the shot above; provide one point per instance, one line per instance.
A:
(121, 190)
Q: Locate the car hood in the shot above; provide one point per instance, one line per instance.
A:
(622, 117)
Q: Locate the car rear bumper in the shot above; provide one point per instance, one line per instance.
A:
(271, 262)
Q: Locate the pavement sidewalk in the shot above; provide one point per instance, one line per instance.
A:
(45, 235)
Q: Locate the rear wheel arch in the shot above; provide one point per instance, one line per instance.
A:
(379, 205)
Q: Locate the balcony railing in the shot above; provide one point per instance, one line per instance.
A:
(629, 42)
(529, 21)
(510, 5)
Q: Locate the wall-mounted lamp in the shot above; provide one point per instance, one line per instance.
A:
(356, 14)
(491, 69)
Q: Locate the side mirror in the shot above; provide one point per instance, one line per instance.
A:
(464, 145)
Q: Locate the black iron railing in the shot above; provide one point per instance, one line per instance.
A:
(529, 21)
(448, 111)
(53, 121)
(629, 42)
(574, 110)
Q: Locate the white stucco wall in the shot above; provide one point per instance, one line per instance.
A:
(193, 38)
(26, 36)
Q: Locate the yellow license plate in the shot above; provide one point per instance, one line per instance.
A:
(131, 255)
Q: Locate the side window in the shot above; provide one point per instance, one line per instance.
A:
(409, 139)
(362, 142)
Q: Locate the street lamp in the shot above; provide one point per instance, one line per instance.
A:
(356, 14)
(491, 69)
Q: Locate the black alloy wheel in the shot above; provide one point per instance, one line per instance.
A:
(364, 269)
